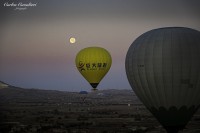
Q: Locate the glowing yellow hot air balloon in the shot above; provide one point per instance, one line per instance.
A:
(93, 63)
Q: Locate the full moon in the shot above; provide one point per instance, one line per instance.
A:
(72, 40)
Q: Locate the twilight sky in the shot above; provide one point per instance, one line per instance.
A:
(34, 43)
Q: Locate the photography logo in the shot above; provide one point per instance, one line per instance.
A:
(20, 5)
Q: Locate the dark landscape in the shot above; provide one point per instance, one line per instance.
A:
(103, 111)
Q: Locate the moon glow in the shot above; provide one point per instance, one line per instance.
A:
(72, 40)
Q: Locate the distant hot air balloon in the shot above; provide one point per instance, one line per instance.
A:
(83, 95)
(93, 63)
(163, 69)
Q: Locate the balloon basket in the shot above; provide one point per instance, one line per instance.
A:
(94, 89)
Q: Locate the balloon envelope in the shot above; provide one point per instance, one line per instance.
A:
(93, 63)
(163, 69)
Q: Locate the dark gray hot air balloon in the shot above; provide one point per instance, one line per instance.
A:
(163, 68)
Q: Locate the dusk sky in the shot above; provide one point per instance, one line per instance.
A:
(34, 43)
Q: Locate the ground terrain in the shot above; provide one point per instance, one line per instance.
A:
(104, 111)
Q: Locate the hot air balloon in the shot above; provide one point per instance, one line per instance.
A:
(163, 69)
(83, 95)
(93, 63)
